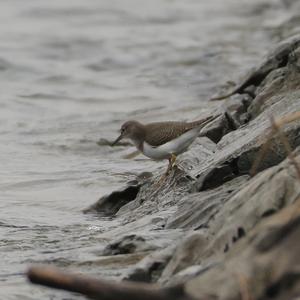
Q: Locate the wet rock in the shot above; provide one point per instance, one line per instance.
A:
(236, 110)
(131, 244)
(153, 197)
(109, 205)
(216, 129)
(216, 176)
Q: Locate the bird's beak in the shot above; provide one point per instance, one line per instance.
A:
(117, 140)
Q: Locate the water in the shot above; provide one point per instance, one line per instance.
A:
(71, 72)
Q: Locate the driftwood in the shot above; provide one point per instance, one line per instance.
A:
(101, 289)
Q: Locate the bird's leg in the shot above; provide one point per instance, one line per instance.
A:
(171, 159)
(169, 166)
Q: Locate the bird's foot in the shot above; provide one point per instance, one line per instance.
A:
(172, 160)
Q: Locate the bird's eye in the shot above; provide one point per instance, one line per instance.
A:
(122, 130)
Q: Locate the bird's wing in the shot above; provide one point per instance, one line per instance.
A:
(162, 132)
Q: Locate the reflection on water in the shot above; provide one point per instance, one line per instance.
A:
(71, 72)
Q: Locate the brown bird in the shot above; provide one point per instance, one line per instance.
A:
(162, 140)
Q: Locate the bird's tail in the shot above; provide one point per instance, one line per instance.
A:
(203, 122)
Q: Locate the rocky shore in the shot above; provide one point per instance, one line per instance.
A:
(214, 228)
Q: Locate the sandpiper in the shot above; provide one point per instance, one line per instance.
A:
(162, 140)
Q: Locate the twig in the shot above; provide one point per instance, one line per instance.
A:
(101, 289)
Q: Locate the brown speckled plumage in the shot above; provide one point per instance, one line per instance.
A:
(159, 133)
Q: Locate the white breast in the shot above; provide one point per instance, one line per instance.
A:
(176, 146)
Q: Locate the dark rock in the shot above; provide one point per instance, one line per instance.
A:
(215, 177)
(249, 94)
(235, 109)
(131, 244)
(216, 129)
(109, 205)
(125, 245)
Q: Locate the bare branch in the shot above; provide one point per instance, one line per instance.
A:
(101, 289)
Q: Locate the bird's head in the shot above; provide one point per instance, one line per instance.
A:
(132, 130)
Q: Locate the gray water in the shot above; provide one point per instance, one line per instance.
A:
(70, 73)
